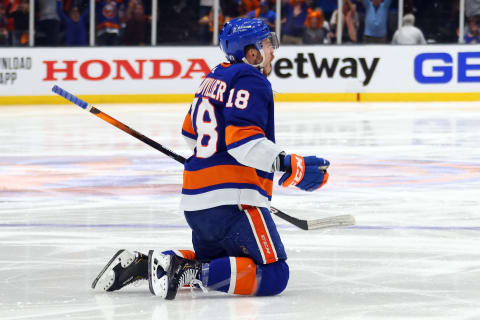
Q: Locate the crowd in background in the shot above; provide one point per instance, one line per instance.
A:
(128, 22)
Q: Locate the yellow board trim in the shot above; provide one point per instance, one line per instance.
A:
(316, 97)
(98, 99)
(283, 97)
(419, 97)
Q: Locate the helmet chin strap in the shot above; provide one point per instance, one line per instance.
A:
(260, 65)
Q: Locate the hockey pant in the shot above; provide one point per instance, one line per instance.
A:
(241, 250)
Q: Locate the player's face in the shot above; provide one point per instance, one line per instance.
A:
(268, 50)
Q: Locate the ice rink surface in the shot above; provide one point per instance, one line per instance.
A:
(74, 189)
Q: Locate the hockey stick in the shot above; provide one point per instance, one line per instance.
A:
(336, 221)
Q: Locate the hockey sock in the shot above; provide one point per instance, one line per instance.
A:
(240, 275)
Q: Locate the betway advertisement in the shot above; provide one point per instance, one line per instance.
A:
(296, 69)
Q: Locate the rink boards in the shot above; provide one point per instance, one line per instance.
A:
(300, 73)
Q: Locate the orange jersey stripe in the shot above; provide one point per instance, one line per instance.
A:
(225, 174)
(108, 24)
(188, 254)
(263, 237)
(246, 282)
(187, 124)
(246, 207)
(234, 133)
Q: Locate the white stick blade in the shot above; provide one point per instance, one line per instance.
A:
(330, 222)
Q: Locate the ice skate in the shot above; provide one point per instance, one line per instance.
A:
(123, 269)
(167, 273)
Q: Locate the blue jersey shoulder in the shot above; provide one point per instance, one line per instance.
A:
(226, 81)
(233, 72)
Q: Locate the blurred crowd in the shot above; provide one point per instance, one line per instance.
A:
(66, 22)
(190, 22)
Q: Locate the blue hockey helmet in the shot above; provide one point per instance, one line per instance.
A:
(241, 32)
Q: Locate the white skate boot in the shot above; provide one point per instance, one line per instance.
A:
(167, 273)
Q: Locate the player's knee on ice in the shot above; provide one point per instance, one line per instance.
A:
(274, 278)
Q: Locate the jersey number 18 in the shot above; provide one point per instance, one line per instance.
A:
(206, 129)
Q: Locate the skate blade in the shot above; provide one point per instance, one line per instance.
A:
(106, 277)
(158, 286)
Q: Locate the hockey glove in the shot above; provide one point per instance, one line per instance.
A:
(309, 173)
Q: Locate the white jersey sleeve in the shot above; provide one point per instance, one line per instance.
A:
(259, 154)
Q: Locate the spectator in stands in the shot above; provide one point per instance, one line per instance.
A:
(245, 6)
(472, 35)
(264, 13)
(376, 15)
(317, 29)
(178, 21)
(3, 27)
(137, 27)
(408, 33)
(227, 11)
(327, 6)
(48, 32)
(205, 7)
(229, 8)
(294, 21)
(472, 9)
(207, 23)
(108, 22)
(20, 21)
(349, 20)
(75, 25)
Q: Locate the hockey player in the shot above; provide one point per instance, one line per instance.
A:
(227, 182)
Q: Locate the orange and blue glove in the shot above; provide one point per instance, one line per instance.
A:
(306, 173)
